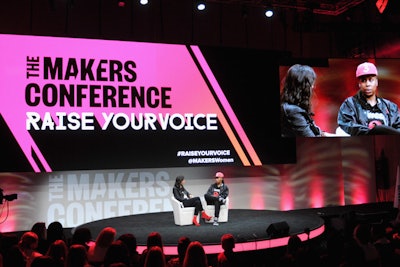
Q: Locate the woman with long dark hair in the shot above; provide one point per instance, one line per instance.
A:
(296, 110)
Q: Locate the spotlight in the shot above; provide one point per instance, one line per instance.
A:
(381, 5)
(200, 5)
(269, 12)
(144, 2)
(121, 3)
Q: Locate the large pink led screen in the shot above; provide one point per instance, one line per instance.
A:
(68, 103)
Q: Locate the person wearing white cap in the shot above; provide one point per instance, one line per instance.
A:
(216, 194)
(366, 113)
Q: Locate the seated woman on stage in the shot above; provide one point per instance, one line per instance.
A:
(182, 195)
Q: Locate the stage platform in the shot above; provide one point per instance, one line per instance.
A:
(249, 227)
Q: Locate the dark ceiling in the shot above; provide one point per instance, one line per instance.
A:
(325, 7)
(305, 28)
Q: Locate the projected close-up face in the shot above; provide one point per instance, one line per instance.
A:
(337, 81)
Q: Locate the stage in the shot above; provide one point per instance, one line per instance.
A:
(249, 227)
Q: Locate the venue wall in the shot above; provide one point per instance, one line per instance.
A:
(301, 173)
(344, 176)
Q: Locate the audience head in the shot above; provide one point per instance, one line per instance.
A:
(183, 244)
(195, 255)
(116, 252)
(294, 244)
(106, 237)
(130, 241)
(77, 256)
(82, 236)
(29, 240)
(155, 257)
(228, 242)
(58, 250)
(40, 229)
(154, 239)
(55, 231)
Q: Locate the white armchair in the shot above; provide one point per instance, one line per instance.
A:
(340, 132)
(223, 212)
(182, 215)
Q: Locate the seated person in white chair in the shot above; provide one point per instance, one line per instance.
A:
(188, 200)
(216, 194)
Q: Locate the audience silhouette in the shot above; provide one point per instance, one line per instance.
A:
(155, 257)
(355, 244)
(227, 258)
(183, 244)
(28, 244)
(130, 241)
(14, 257)
(153, 239)
(97, 251)
(39, 228)
(55, 231)
(82, 236)
(77, 256)
(195, 255)
(58, 251)
(117, 252)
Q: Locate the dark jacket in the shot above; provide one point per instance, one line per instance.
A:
(222, 191)
(179, 193)
(352, 117)
(295, 121)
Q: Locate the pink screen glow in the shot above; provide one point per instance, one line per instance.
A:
(167, 72)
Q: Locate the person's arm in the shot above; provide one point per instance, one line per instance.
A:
(188, 193)
(299, 122)
(394, 115)
(225, 192)
(210, 191)
(177, 194)
(349, 119)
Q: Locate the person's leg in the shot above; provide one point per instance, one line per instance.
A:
(191, 202)
(217, 205)
(199, 207)
(211, 200)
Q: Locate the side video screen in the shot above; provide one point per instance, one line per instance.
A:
(336, 80)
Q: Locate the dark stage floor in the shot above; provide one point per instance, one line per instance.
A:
(245, 225)
(248, 226)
